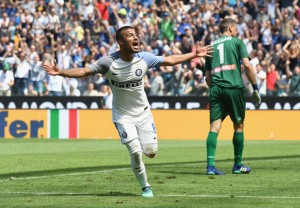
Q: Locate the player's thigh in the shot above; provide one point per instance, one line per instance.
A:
(127, 131)
(235, 104)
(216, 104)
(147, 133)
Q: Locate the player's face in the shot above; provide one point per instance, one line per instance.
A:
(131, 42)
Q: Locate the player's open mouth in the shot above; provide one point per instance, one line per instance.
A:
(135, 45)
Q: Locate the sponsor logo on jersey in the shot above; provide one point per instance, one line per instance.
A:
(126, 84)
(224, 68)
(138, 72)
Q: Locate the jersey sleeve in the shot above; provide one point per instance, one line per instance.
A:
(243, 53)
(152, 60)
(101, 65)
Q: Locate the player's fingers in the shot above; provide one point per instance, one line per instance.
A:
(54, 62)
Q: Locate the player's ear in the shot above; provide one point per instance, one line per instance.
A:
(120, 41)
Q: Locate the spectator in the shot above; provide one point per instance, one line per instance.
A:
(166, 26)
(201, 85)
(295, 82)
(22, 73)
(86, 30)
(283, 86)
(55, 86)
(31, 91)
(261, 76)
(157, 84)
(6, 80)
(190, 84)
(90, 90)
(292, 50)
(107, 99)
(272, 80)
(38, 75)
(266, 36)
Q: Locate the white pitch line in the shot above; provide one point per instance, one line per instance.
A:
(67, 174)
(168, 195)
(227, 196)
(121, 169)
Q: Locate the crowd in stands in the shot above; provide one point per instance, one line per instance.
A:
(76, 33)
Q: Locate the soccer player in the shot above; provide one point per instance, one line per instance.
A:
(223, 76)
(125, 71)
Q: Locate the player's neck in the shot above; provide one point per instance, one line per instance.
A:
(226, 34)
(126, 56)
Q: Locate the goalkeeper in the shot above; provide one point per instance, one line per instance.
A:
(227, 97)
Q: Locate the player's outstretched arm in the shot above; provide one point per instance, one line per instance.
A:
(52, 69)
(206, 51)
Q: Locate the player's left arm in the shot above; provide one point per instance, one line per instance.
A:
(172, 60)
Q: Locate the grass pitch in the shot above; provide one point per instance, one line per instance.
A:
(96, 173)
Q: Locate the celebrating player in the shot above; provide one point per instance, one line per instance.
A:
(223, 76)
(125, 71)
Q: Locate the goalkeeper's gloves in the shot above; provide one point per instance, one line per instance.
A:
(256, 96)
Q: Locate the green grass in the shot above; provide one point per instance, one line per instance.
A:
(96, 173)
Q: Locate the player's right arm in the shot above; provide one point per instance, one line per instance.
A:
(52, 69)
(252, 78)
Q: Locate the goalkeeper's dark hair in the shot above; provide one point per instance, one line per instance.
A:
(119, 32)
(226, 23)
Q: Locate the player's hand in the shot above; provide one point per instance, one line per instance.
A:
(256, 98)
(206, 51)
(52, 69)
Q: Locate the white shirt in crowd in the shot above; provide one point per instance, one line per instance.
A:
(5, 80)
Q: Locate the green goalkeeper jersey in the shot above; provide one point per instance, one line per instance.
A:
(225, 64)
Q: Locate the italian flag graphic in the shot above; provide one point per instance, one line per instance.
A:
(62, 124)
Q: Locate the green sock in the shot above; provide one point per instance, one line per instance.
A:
(211, 145)
(238, 145)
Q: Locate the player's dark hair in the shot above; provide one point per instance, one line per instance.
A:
(226, 23)
(119, 32)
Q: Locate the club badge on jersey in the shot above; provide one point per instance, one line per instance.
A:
(124, 134)
(138, 72)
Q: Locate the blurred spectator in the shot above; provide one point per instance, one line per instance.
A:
(78, 33)
(107, 99)
(292, 50)
(31, 91)
(90, 90)
(295, 82)
(22, 73)
(157, 84)
(73, 88)
(38, 75)
(6, 80)
(200, 84)
(266, 36)
(55, 86)
(261, 76)
(283, 86)
(104, 90)
(272, 80)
